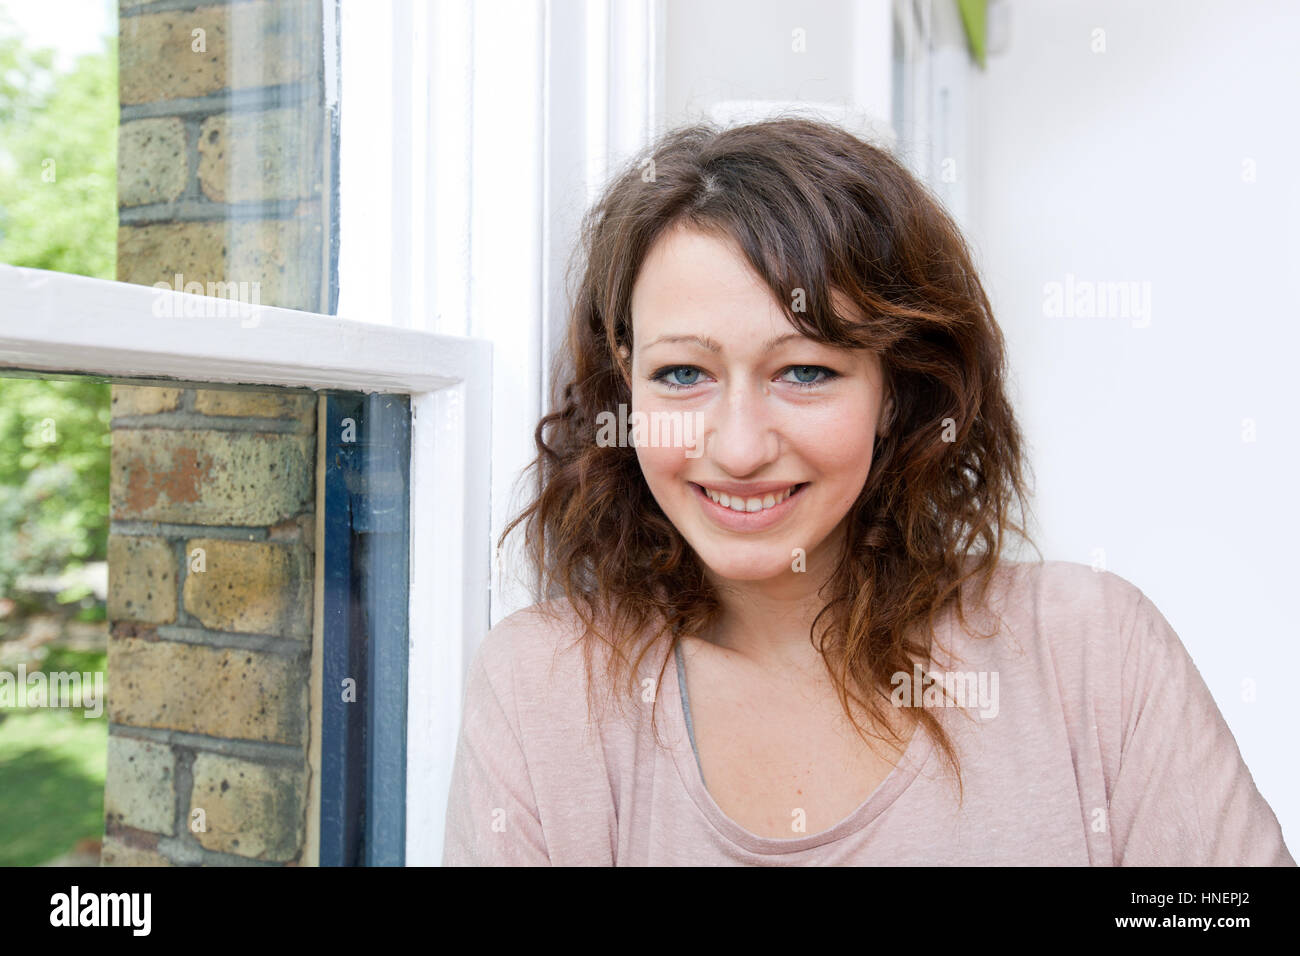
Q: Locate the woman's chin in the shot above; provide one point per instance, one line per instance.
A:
(750, 570)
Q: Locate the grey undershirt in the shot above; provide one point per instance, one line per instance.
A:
(686, 704)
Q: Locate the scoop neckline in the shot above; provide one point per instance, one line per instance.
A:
(915, 756)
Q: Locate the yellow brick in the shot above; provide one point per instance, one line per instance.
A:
(139, 790)
(162, 57)
(249, 809)
(280, 255)
(144, 399)
(252, 157)
(249, 587)
(210, 477)
(152, 161)
(117, 853)
(256, 404)
(141, 580)
(221, 692)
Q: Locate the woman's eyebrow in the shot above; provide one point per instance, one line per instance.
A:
(713, 346)
(709, 344)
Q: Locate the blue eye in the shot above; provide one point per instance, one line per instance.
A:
(678, 376)
(803, 376)
(807, 375)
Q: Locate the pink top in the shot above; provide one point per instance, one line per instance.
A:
(1105, 748)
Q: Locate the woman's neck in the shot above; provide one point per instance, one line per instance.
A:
(769, 622)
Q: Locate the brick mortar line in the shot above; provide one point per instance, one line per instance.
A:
(290, 647)
(170, 6)
(154, 529)
(179, 852)
(205, 210)
(183, 618)
(284, 756)
(196, 421)
(250, 100)
(193, 191)
(176, 850)
(135, 838)
(183, 784)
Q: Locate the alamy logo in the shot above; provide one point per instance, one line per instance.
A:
(56, 689)
(649, 430)
(224, 299)
(946, 689)
(1085, 299)
(102, 909)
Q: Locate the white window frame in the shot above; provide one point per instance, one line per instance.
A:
(939, 97)
(52, 322)
(497, 130)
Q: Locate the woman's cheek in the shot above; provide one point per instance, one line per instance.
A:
(661, 464)
(840, 436)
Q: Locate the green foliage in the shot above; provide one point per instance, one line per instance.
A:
(58, 161)
(58, 211)
(53, 475)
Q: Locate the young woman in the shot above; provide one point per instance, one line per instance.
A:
(771, 509)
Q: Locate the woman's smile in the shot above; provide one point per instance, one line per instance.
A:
(755, 508)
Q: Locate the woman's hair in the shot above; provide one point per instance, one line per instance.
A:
(813, 208)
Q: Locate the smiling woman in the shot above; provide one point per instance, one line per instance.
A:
(783, 415)
(833, 539)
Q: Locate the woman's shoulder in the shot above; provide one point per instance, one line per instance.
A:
(524, 640)
(1069, 588)
(1064, 606)
(1060, 582)
(1063, 640)
(546, 652)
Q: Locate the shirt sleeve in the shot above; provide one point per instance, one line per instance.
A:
(1182, 795)
(492, 817)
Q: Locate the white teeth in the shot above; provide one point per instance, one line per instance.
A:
(749, 505)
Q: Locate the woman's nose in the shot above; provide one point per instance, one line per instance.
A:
(743, 438)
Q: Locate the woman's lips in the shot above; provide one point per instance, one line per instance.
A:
(747, 520)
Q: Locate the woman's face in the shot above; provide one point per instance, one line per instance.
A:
(781, 426)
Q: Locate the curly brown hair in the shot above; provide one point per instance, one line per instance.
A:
(815, 208)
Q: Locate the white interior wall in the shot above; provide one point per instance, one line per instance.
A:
(829, 54)
(1132, 165)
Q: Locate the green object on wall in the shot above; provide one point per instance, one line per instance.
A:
(973, 18)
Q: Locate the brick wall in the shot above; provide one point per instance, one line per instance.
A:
(223, 176)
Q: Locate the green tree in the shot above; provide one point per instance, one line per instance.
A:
(53, 475)
(58, 161)
(58, 211)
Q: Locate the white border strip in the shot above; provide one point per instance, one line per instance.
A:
(450, 575)
(50, 321)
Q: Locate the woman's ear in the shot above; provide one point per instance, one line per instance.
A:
(624, 364)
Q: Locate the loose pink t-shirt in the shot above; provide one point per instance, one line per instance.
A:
(1101, 746)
